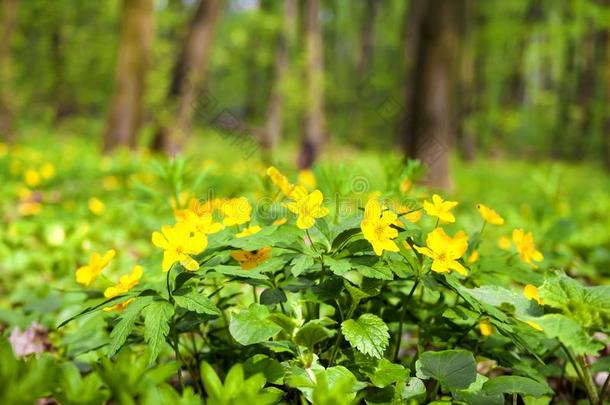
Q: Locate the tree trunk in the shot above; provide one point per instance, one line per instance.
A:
(314, 123)
(367, 38)
(465, 94)
(188, 77)
(125, 112)
(274, 124)
(430, 129)
(8, 21)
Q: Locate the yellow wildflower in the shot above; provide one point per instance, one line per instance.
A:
(526, 247)
(504, 243)
(179, 244)
(85, 275)
(32, 178)
(236, 211)
(376, 227)
(485, 327)
(440, 208)
(445, 251)
(201, 223)
(308, 208)
(110, 183)
(307, 179)
(280, 221)
(250, 259)
(47, 171)
(280, 181)
(489, 215)
(473, 257)
(120, 306)
(126, 283)
(406, 185)
(531, 293)
(29, 208)
(96, 206)
(251, 230)
(535, 325)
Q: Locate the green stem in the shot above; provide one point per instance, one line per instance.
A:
(337, 203)
(254, 294)
(588, 380)
(402, 319)
(333, 354)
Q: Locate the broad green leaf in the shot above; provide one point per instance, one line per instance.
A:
(387, 373)
(253, 325)
(369, 334)
(123, 328)
(338, 266)
(311, 333)
(236, 271)
(273, 296)
(569, 333)
(379, 270)
(270, 368)
(156, 326)
(196, 302)
(509, 384)
(475, 395)
(415, 390)
(452, 368)
(301, 264)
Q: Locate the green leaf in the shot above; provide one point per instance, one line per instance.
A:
(253, 325)
(156, 326)
(452, 368)
(369, 334)
(387, 373)
(236, 271)
(301, 264)
(509, 384)
(123, 328)
(273, 296)
(568, 332)
(344, 236)
(475, 395)
(379, 270)
(196, 302)
(311, 333)
(415, 389)
(338, 266)
(262, 364)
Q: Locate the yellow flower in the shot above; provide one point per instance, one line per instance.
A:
(445, 251)
(29, 208)
(473, 257)
(47, 171)
(85, 275)
(504, 243)
(250, 259)
(32, 178)
(280, 221)
(307, 179)
(376, 227)
(251, 230)
(440, 209)
(179, 244)
(413, 217)
(489, 215)
(126, 283)
(526, 247)
(485, 327)
(120, 306)
(203, 223)
(280, 181)
(308, 208)
(110, 183)
(535, 325)
(531, 293)
(96, 206)
(236, 211)
(405, 186)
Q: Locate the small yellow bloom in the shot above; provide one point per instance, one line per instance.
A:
(203, 223)
(280, 221)
(126, 283)
(248, 260)
(526, 247)
(308, 208)
(485, 327)
(535, 325)
(236, 211)
(32, 178)
(405, 186)
(47, 171)
(85, 275)
(440, 208)
(376, 227)
(307, 179)
(504, 243)
(120, 307)
(280, 181)
(179, 244)
(445, 251)
(96, 206)
(473, 257)
(110, 183)
(489, 215)
(531, 293)
(251, 230)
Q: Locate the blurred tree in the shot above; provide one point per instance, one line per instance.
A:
(8, 19)
(187, 77)
(314, 121)
(274, 120)
(465, 91)
(430, 129)
(136, 38)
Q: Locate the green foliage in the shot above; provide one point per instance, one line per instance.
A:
(253, 325)
(452, 368)
(369, 334)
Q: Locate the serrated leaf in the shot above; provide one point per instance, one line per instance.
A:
(379, 270)
(311, 333)
(368, 334)
(387, 373)
(253, 325)
(123, 328)
(301, 264)
(338, 266)
(452, 368)
(509, 384)
(196, 302)
(156, 326)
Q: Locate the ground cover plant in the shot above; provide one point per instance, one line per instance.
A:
(183, 281)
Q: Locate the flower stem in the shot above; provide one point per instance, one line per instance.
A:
(333, 354)
(402, 319)
(588, 380)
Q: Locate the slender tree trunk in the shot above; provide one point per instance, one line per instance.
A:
(430, 130)
(188, 77)
(125, 112)
(367, 37)
(274, 124)
(8, 22)
(465, 94)
(314, 123)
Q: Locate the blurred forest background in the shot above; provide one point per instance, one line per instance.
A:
(527, 78)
